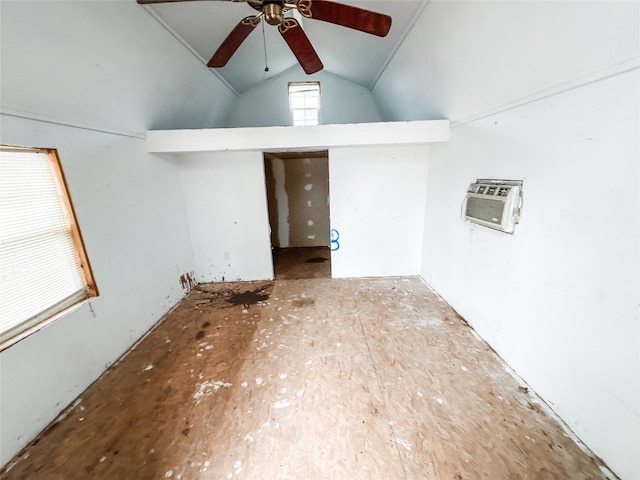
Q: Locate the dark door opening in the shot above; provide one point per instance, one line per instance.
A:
(298, 204)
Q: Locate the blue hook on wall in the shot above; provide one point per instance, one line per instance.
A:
(335, 236)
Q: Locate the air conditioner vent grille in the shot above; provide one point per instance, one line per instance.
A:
(494, 203)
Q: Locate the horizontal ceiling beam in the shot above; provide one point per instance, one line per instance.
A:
(318, 137)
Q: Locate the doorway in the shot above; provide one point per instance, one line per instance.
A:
(297, 185)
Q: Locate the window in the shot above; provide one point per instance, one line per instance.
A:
(43, 265)
(304, 103)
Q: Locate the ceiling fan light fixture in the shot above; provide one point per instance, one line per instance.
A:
(272, 13)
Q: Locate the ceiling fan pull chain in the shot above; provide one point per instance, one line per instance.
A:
(264, 42)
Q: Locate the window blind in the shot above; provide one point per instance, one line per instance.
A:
(40, 270)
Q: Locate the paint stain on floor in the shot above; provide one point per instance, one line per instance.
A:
(250, 297)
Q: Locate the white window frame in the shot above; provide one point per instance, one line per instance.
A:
(64, 258)
(309, 94)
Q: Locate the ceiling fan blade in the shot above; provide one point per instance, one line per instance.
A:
(300, 45)
(346, 16)
(233, 42)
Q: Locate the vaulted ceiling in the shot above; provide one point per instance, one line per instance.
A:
(356, 57)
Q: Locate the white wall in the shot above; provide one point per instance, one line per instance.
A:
(377, 207)
(226, 203)
(268, 104)
(106, 64)
(131, 214)
(104, 67)
(558, 300)
(568, 278)
(466, 57)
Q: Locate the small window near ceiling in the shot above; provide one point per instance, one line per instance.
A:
(44, 269)
(304, 103)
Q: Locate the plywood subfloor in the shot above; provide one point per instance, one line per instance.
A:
(302, 262)
(308, 379)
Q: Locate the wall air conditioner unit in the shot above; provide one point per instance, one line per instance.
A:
(494, 203)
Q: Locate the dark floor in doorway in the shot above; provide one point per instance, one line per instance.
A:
(302, 262)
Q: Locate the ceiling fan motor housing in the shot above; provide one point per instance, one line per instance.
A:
(272, 10)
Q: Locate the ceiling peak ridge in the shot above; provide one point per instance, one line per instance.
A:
(335, 76)
(184, 43)
(399, 43)
(269, 80)
(314, 77)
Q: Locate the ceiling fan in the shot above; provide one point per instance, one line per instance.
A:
(273, 13)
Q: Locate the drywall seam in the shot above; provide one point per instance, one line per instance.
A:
(13, 112)
(593, 77)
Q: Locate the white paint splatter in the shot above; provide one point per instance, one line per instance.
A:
(229, 475)
(308, 362)
(283, 390)
(148, 367)
(283, 375)
(102, 459)
(299, 393)
(402, 443)
(282, 404)
(420, 394)
(311, 237)
(244, 384)
(259, 381)
(308, 203)
(439, 400)
(338, 344)
(202, 389)
(208, 347)
(248, 438)
(168, 474)
(310, 222)
(308, 187)
(207, 463)
(464, 369)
